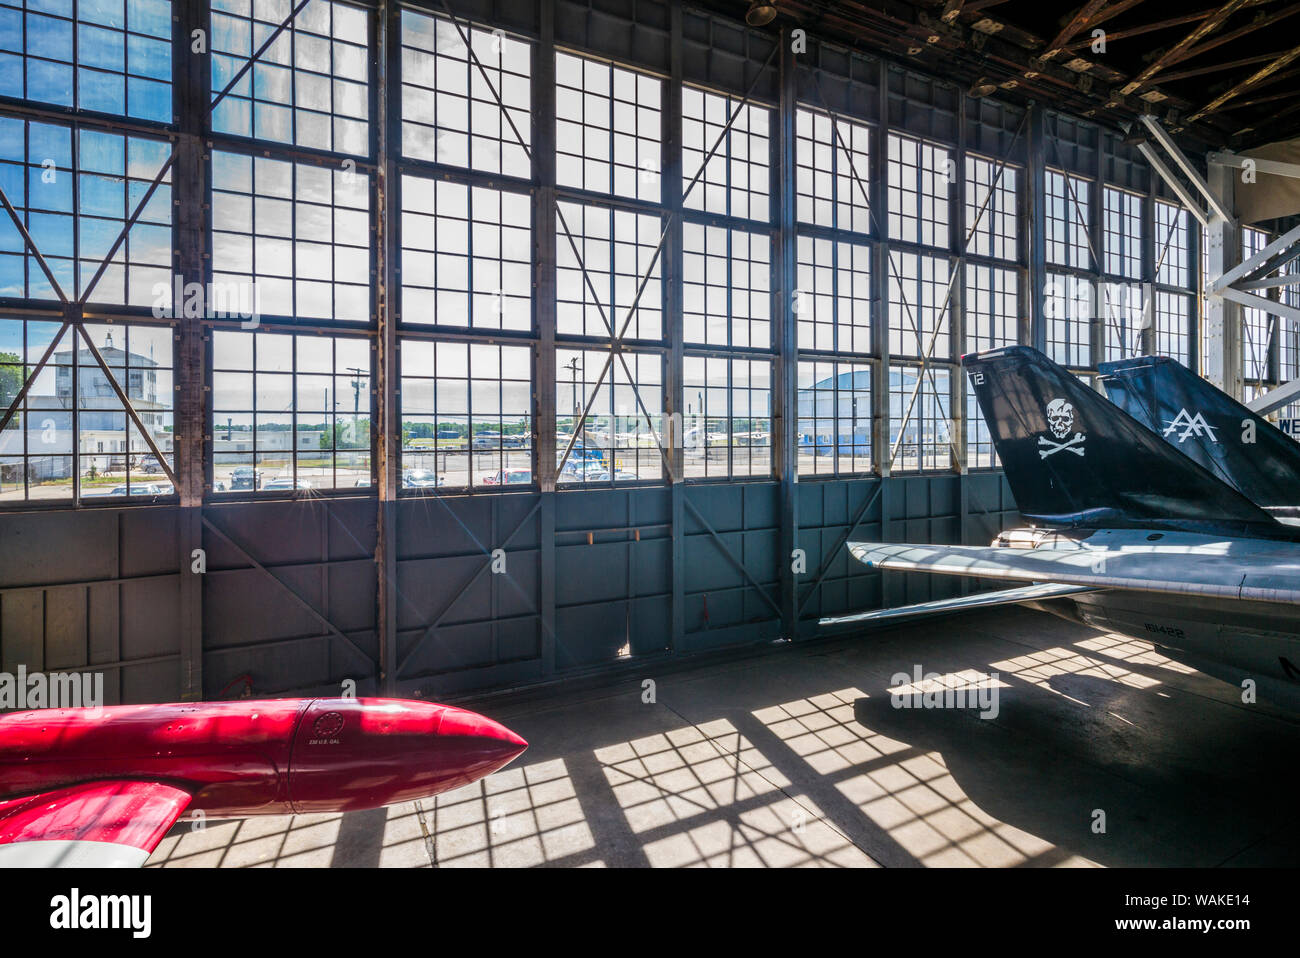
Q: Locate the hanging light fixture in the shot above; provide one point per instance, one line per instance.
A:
(760, 13)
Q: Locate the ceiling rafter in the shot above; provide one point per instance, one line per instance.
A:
(1198, 33)
(1260, 22)
(1271, 98)
(970, 43)
(1081, 20)
(1218, 67)
(1260, 74)
(1137, 31)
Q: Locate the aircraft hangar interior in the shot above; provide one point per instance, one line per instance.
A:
(513, 433)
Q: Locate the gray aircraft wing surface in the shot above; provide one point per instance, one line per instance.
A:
(980, 600)
(1258, 570)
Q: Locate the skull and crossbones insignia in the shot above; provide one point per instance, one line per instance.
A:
(1060, 420)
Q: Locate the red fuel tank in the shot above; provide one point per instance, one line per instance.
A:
(273, 756)
(357, 753)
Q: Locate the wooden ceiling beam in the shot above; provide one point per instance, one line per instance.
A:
(1260, 74)
(1080, 21)
(1257, 24)
(1198, 33)
(1216, 68)
(1146, 28)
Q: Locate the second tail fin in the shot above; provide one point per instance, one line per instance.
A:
(1246, 451)
(1074, 459)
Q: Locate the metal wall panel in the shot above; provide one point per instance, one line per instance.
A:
(93, 589)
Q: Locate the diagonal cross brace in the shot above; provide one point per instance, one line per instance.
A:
(615, 339)
(298, 599)
(889, 253)
(27, 383)
(952, 279)
(257, 55)
(126, 404)
(1092, 251)
(31, 245)
(432, 626)
(825, 566)
(727, 554)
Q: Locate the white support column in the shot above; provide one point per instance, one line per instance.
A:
(1222, 317)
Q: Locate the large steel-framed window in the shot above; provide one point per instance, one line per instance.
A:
(1069, 303)
(1068, 222)
(833, 296)
(449, 113)
(466, 255)
(992, 300)
(991, 281)
(1121, 233)
(833, 299)
(727, 428)
(918, 287)
(1173, 305)
(597, 286)
(1171, 317)
(310, 87)
(991, 207)
(1121, 309)
(74, 189)
(290, 412)
(609, 365)
(926, 442)
(108, 57)
(737, 178)
(919, 179)
(836, 418)
(466, 415)
(727, 286)
(291, 240)
(70, 437)
(1257, 326)
(833, 162)
(727, 283)
(297, 235)
(608, 128)
(920, 174)
(619, 440)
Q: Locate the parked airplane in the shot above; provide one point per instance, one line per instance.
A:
(1128, 535)
(101, 787)
(1243, 449)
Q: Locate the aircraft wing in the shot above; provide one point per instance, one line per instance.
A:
(91, 825)
(980, 600)
(1263, 576)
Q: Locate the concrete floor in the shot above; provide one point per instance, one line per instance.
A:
(794, 756)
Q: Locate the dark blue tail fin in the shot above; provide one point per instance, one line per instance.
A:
(1244, 450)
(1074, 459)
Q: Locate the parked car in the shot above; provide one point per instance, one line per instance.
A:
(422, 479)
(281, 483)
(246, 477)
(509, 477)
(143, 489)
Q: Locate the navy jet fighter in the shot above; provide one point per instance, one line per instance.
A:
(1128, 534)
(1243, 449)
